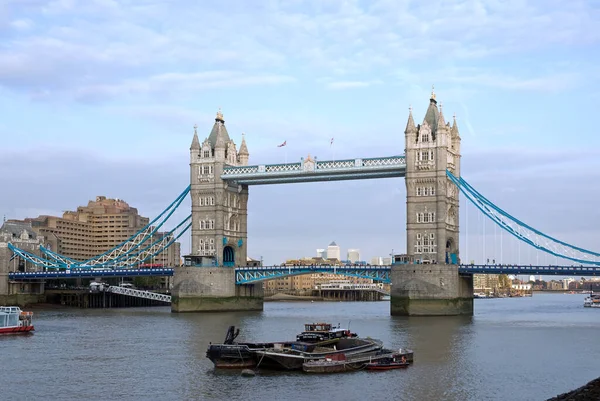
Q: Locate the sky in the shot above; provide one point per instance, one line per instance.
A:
(99, 97)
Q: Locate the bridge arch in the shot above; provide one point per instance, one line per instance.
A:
(228, 256)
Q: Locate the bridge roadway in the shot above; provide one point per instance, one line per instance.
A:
(88, 273)
(244, 275)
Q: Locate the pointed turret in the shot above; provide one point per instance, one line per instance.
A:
(454, 130)
(218, 127)
(410, 124)
(243, 153)
(441, 122)
(243, 146)
(195, 142)
(431, 117)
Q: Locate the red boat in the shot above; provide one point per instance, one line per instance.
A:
(14, 321)
(388, 364)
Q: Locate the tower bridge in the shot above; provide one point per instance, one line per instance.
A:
(215, 277)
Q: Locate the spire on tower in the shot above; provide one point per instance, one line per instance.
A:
(410, 124)
(441, 123)
(243, 147)
(218, 127)
(454, 130)
(432, 98)
(195, 141)
(219, 116)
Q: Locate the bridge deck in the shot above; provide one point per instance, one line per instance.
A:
(88, 273)
(245, 275)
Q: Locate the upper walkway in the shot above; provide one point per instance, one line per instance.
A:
(310, 170)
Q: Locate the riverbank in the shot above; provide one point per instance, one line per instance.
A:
(588, 392)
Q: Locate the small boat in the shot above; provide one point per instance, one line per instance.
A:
(386, 365)
(383, 359)
(15, 321)
(395, 361)
(593, 301)
(336, 363)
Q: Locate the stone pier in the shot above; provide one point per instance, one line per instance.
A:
(213, 289)
(430, 290)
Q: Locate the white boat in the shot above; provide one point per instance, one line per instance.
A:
(593, 301)
(14, 321)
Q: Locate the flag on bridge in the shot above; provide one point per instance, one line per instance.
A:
(282, 145)
(331, 143)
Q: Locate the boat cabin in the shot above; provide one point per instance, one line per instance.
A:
(314, 332)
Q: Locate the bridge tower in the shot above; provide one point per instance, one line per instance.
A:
(430, 284)
(206, 282)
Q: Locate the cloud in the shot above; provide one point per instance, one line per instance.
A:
(99, 49)
(351, 84)
(174, 82)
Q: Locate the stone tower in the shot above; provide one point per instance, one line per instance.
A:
(432, 285)
(206, 282)
(432, 199)
(219, 209)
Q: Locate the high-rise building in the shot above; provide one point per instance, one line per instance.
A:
(353, 255)
(333, 251)
(377, 261)
(96, 228)
(321, 253)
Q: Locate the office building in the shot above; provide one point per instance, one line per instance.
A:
(97, 228)
(333, 251)
(353, 255)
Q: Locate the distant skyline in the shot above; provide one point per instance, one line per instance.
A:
(100, 98)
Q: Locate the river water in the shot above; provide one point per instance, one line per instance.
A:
(511, 349)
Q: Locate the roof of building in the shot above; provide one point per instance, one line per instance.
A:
(16, 228)
(218, 130)
(333, 243)
(432, 115)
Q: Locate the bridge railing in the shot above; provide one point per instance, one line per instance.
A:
(326, 165)
(140, 293)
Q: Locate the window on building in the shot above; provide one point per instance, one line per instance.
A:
(207, 153)
(432, 191)
(426, 191)
(425, 137)
(419, 191)
(201, 201)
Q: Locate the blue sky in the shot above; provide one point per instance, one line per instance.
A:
(99, 97)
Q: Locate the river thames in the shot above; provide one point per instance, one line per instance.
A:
(511, 349)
